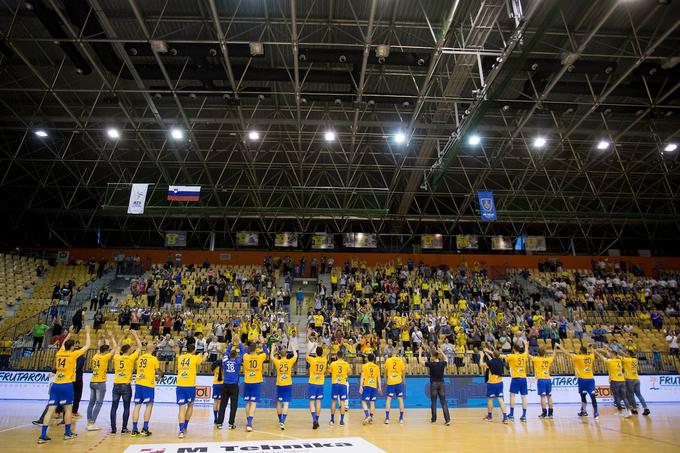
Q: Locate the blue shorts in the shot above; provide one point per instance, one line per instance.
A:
(544, 387)
(61, 394)
(369, 394)
(339, 392)
(251, 392)
(315, 391)
(284, 393)
(519, 385)
(144, 394)
(494, 390)
(396, 390)
(586, 386)
(185, 395)
(217, 391)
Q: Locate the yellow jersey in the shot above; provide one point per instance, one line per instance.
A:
(317, 369)
(339, 370)
(218, 375)
(284, 369)
(542, 367)
(371, 374)
(583, 365)
(147, 366)
(252, 367)
(100, 364)
(394, 369)
(124, 366)
(630, 368)
(615, 369)
(187, 367)
(518, 364)
(66, 366)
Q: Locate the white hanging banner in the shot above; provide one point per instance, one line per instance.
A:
(137, 198)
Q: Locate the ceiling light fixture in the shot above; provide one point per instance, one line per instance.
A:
(539, 142)
(603, 144)
(670, 147)
(474, 140)
(254, 135)
(41, 133)
(177, 134)
(399, 137)
(329, 136)
(112, 132)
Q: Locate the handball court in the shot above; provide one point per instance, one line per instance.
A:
(565, 433)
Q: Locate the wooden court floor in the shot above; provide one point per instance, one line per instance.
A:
(565, 433)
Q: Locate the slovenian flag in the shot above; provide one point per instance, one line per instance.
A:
(184, 193)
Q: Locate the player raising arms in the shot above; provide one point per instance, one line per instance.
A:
(339, 369)
(61, 392)
(187, 368)
(283, 362)
(252, 376)
(518, 363)
(369, 387)
(145, 388)
(317, 371)
(396, 384)
(124, 367)
(493, 368)
(231, 369)
(100, 365)
(583, 365)
(542, 365)
(617, 383)
(630, 371)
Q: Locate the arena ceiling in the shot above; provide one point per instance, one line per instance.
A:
(437, 71)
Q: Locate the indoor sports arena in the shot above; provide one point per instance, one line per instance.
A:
(339, 225)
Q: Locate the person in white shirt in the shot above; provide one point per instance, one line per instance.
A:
(672, 340)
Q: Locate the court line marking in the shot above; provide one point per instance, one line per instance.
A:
(16, 427)
(640, 436)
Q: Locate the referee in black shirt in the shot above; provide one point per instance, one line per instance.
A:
(437, 366)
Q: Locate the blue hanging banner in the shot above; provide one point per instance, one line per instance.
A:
(487, 207)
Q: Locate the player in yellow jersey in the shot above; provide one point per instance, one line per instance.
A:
(369, 387)
(542, 365)
(187, 368)
(61, 391)
(283, 363)
(617, 382)
(630, 372)
(395, 371)
(493, 366)
(339, 369)
(100, 365)
(518, 363)
(317, 371)
(252, 376)
(145, 389)
(583, 366)
(124, 367)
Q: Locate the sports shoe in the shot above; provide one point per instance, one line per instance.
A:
(70, 436)
(113, 430)
(181, 435)
(124, 431)
(596, 416)
(522, 418)
(249, 428)
(367, 421)
(448, 423)
(511, 418)
(232, 426)
(315, 425)
(145, 433)
(37, 422)
(331, 423)
(634, 411)
(93, 427)
(134, 434)
(342, 423)
(218, 426)
(488, 419)
(42, 440)
(370, 420)
(543, 416)
(401, 421)
(627, 414)
(76, 415)
(646, 412)
(282, 426)
(387, 421)
(550, 416)
(583, 414)
(505, 420)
